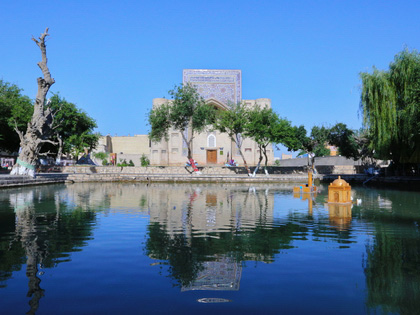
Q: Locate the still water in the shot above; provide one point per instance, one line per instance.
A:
(161, 248)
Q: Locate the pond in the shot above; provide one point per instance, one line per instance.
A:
(108, 248)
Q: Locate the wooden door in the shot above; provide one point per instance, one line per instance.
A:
(211, 156)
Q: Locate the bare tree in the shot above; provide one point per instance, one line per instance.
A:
(40, 127)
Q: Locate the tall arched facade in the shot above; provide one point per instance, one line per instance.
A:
(219, 88)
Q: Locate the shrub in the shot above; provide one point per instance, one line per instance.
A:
(100, 155)
(144, 160)
(122, 163)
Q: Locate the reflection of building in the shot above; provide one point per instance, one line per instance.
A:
(340, 215)
(207, 210)
(222, 274)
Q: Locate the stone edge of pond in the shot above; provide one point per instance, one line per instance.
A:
(55, 178)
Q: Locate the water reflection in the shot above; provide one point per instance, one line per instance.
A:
(40, 232)
(203, 236)
(392, 262)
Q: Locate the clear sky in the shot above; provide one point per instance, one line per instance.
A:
(111, 58)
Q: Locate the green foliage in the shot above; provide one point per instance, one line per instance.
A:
(233, 122)
(345, 139)
(123, 163)
(159, 120)
(15, 110)
(104, 162)
(187, 110)
(317, 141)
(277, 162)
(100, 155)
(144, 161)
(74, 127)
(266, 127)
(390, 106)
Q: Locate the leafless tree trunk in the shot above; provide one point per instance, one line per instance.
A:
(40, 127)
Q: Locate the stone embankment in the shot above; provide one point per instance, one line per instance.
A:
(75, 174)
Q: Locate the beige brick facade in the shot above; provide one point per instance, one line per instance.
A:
(218, 87)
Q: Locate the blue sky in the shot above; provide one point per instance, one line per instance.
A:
(111, 58)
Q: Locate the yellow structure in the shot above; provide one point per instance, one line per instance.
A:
(340, 215)
(339, 191)
(306, 196)
(308, 188)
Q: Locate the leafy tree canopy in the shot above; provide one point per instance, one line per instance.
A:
(73, 126)
(345, 139)
(390, 106)
(15, 111)
(266, 127)
(187, 110)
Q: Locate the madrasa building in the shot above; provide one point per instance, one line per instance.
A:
(219, 88)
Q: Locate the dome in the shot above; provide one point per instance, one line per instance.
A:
(339, 182)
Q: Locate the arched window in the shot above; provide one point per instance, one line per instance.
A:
(211, 141)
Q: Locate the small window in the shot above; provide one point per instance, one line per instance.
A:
(211, 141)
(175, 139)
(174, 150)
(248, 150)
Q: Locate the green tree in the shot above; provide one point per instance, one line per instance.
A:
(265, 127)
(15, 112)
(186, 113)
(233, 123)
(73, 129)
(390, 106)
(314, 144)
(345, 140)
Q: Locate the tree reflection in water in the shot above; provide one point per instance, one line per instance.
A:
(46, 230)
(218, 231)
(393, 257)
(205, 234)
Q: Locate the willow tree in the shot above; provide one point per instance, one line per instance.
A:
(40, 127)
(390, 103)
(187, 113)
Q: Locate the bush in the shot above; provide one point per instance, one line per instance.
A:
(104, 162)
(130, 163)
(100, 155)
(122, 163)
(144, 160)
(277, 162)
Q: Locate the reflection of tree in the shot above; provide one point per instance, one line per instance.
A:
(392, 262)
(187, 254)
(184, 259)
(392, 270)
(45, 230)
